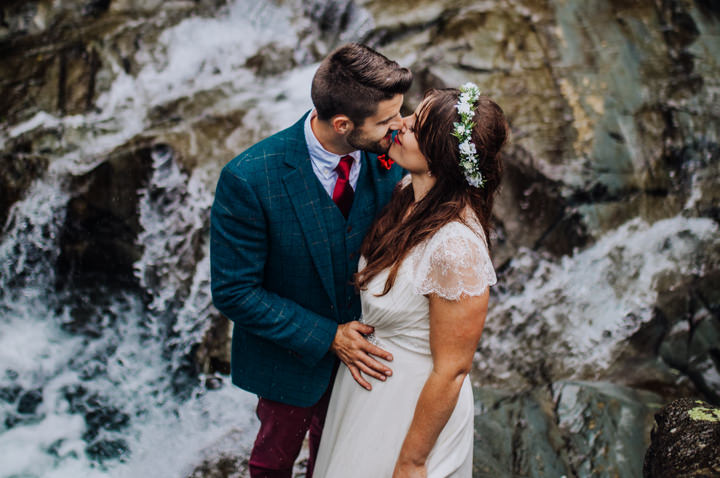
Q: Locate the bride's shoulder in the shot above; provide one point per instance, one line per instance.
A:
(468, 226)
(405, 181)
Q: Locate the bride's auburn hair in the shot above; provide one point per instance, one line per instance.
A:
(391, 237)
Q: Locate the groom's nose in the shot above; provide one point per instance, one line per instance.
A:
(396, 122)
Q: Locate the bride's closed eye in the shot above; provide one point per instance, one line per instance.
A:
(412, 125)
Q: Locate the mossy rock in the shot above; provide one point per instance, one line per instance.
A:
(685, 441)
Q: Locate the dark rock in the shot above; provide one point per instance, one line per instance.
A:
(271, 60)
(105, 418)
(223, 466)
(103, 450)
(685, 441)
(78, 66)
(59, 79)
(95, 8)
(532, 213)
(10, 393)
(213, 353)
(75, 395)
(98, 240)
(605, 426)
(29, 401)
(517, 435)
(213, 383)
(565, 429)
(691, 343)
(18, 170)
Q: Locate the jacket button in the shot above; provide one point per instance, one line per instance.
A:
(349, 229)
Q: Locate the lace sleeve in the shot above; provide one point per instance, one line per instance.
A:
(454, 262)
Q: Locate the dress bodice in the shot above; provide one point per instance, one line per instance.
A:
(454, 261)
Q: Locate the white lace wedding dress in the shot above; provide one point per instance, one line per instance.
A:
(364, 430)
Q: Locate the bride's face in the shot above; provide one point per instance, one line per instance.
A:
(405, 149)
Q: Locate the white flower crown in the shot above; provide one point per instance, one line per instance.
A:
(469, 94)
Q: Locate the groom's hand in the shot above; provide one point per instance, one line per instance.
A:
(355, 351)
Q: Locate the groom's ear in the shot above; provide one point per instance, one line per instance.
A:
(341, 124)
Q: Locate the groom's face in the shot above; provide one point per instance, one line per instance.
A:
(374, 134)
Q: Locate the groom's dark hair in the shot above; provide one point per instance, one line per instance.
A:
(353, 79)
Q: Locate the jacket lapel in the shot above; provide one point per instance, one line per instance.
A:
(363, 209)
(304, 195)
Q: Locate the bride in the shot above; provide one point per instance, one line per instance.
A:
(423, 278)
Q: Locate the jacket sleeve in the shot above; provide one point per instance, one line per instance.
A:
(238, 251)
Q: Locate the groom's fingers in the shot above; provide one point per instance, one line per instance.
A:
(372, 371)
(362, 328)
(378, 352)
(355, 372)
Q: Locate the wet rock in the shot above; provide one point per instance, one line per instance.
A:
(10, 393)
(206, 139)
(105, 418)
(213, 353)
(98, 240)
(565, 429)
(29, 401)
(605, 427)
(517, 435)
(271, 60)
(104, 450)
(75, 395)
(100, 416)
(685, 441)
(225, 458)
(613, 148)
(533, 214)
(60, 79)
(223, 466)
(18, 169)
(95, 8)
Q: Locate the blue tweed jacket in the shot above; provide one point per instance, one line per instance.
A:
(271, 266)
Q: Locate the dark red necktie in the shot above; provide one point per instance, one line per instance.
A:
(343, 193)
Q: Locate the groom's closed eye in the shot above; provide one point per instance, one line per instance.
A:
(386, 121)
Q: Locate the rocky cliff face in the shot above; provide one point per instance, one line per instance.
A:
(606, 244)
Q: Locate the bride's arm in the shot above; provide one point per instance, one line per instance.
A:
(455, 329)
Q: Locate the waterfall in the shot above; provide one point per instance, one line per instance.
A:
(612, 157)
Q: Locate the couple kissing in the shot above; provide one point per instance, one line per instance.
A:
(358, 287)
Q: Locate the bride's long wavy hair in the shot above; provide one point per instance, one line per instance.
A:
(393, 235)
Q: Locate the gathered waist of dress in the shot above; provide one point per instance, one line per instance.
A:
(419, 345)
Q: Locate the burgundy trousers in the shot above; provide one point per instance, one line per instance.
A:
(282, 431)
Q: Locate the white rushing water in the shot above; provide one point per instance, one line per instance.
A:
(573, 314)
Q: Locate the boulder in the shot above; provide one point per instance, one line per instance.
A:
(568, 428)
(685, 441)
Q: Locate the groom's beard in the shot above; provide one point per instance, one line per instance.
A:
(358, 141)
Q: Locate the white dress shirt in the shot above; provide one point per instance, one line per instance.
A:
(324, 162)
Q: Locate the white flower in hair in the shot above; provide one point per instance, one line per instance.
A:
(467, 148)
(464, 108)
(469, 94)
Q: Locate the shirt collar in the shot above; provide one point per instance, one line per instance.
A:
(324, 159)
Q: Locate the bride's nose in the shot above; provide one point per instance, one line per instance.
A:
(405, 124)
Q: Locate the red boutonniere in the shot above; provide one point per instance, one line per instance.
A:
(385, 160)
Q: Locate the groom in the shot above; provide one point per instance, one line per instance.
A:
(288, 219)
